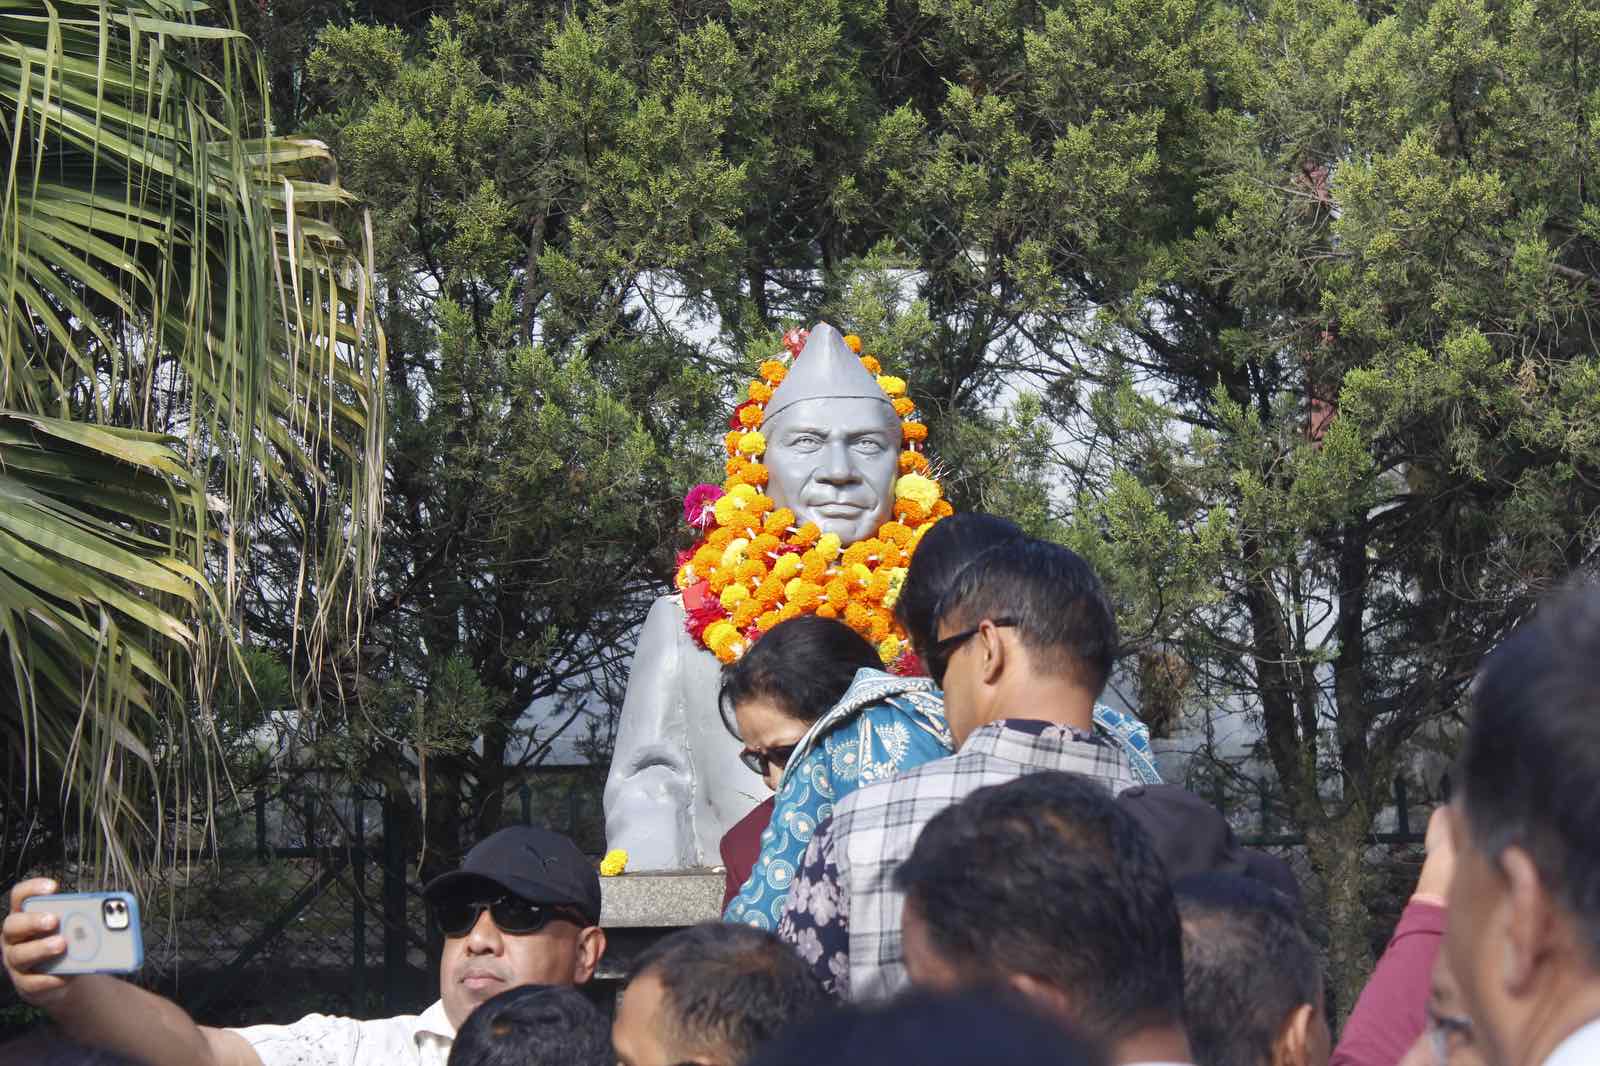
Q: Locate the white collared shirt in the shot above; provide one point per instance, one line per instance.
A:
(1582, 1048)
(325, 1040)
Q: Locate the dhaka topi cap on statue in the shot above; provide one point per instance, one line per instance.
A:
(534, 863)
(825, 369)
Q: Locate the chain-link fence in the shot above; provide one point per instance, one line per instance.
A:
(307, 901)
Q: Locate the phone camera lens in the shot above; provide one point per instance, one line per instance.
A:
(115, 914)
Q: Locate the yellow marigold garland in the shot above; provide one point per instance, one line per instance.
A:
(753, 567)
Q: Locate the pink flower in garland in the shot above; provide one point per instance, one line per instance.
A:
(699, 504)
(908, 665)
(795, 339)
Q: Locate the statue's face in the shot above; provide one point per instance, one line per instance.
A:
(834, 462)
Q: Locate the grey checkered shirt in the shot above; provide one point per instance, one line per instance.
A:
(843, 913)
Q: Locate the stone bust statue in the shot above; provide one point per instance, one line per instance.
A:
(676, 784)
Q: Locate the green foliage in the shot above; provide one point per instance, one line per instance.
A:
(1278, 312)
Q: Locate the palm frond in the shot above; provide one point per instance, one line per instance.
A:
(186, 340)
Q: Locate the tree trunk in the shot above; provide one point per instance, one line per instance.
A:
(1338, 855)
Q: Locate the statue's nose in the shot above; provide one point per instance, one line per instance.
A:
(836, 467)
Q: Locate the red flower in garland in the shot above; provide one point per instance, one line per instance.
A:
(701, 607)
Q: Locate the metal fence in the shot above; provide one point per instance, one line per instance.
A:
(309, 903)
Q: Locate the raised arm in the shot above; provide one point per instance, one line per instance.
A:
(1391, 1012)
(103, 1011)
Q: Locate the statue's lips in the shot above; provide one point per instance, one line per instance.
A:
(840, 510)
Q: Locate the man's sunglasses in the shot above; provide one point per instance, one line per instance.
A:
(939, 652)
(758, 759)
(511, 914)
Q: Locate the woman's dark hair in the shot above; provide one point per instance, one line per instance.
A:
(945, 551)
(804, 665)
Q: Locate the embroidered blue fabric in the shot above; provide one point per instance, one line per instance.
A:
(1133, 737)
(884, 724)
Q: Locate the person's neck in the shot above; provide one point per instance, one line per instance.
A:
(1158, 1043)
(1553, 1017)
(1057, 701)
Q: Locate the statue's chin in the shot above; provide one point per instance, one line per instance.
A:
(848, 530)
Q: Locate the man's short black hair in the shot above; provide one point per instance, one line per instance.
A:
(1061, 612)
(1532, 755)
(534, 1025)
(1047, 876)
(805, 665)
(932, 1029)
(944, 552)
(1247, 966)
(727, 989)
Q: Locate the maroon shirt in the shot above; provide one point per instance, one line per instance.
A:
(741, 847)
(1392, 1010)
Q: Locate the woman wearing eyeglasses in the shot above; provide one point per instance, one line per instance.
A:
(818, 718)
(813, 752)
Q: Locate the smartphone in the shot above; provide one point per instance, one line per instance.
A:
(102, 931)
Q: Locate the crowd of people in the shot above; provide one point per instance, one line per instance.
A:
(981, 866)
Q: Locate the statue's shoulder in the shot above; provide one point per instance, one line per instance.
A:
(671, 605)
(667, 617)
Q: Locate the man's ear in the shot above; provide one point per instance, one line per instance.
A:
(1530, 921)
(993, 650)
(591, 946)
(1292, 1045)
(1047, 997)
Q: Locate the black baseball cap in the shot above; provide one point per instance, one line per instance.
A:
(530, 862)
(1193, 838)
(1189, 834)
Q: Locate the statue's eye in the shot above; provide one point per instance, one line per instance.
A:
(805, 442)
(869, 445)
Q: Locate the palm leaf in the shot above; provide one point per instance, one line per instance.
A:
(187, 343)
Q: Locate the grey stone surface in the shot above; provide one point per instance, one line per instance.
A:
(676, 784)
(660, 899)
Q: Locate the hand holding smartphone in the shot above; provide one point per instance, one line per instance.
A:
(101, 930)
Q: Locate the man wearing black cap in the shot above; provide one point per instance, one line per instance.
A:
(1193, 838)
(523, 909)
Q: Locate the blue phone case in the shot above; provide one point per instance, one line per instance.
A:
(102, 931)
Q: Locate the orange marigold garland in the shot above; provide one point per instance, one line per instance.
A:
(753, 567)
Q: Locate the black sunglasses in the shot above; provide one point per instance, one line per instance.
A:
(938, 658)
(511, 914)
(758, 759)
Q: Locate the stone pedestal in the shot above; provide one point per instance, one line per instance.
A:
(638, 909)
